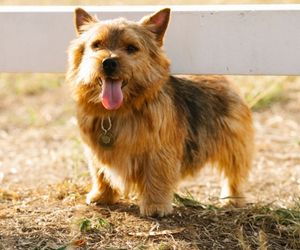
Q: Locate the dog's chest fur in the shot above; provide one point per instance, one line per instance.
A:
(137, 135)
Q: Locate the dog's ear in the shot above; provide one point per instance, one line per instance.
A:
(157, 23)
(82, 18)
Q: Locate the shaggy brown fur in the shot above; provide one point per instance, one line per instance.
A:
(163, 128)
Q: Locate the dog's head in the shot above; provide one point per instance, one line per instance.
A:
(118, 62)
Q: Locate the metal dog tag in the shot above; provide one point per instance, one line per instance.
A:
(106, 139)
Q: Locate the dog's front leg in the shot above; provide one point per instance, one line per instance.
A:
(102, 192)
(160, 177)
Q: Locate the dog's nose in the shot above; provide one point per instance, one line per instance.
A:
(110, 65)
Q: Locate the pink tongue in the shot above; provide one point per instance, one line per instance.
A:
(112, 96)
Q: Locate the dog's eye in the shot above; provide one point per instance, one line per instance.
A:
(131, 49)
(96, 45)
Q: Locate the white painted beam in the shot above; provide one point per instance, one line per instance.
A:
(227, 39)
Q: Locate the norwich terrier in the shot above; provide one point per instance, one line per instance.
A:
(144, 129)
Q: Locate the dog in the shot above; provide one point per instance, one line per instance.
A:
(143, 129)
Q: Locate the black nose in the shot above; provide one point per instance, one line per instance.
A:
(110, 65)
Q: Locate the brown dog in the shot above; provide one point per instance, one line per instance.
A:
(145, 129)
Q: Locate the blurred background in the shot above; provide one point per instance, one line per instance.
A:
(39, 137)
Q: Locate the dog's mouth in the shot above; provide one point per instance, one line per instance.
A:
(111, 94)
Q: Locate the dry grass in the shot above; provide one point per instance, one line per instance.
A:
(46, 223)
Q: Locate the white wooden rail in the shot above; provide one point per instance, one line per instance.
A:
(227, 39)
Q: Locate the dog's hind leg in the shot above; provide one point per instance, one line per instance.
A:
(234, 164)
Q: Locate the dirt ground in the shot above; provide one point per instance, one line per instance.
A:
(44, 178)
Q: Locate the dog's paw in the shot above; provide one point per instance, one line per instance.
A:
(155, 210)
(107, 197)
(233, 202)
(93, 196)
